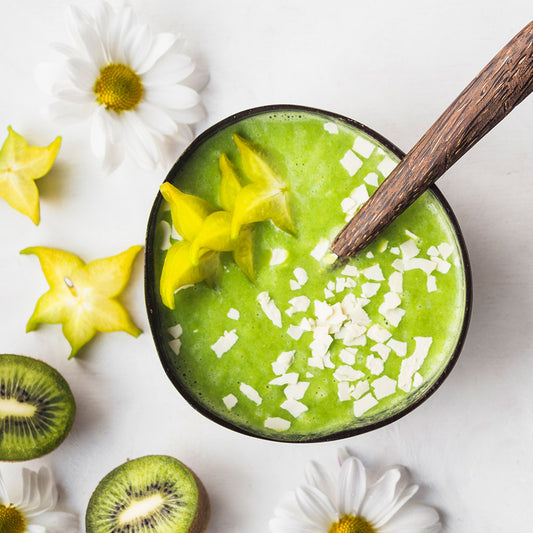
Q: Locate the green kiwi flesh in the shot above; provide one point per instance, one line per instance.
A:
(36, 408)
(151, 494)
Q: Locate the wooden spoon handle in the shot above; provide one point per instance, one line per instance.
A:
(498, 88)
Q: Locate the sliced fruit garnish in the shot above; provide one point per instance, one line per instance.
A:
(229, 183)
(243, 253)
(214, 234)
(82, 297)
(188, 211)
(255, 167)
(178, 270)
(20, 166)
(255, 203)
(155, 493)
(36, 409)
(263, 199)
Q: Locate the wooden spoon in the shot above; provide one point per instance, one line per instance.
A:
(497, 89)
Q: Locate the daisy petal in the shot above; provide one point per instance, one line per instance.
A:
(352, 486)
(99, 132)
(47, 489)
(198, 79)
(188, 116)
(174, 97)
(83, 74)
(414, 518)
(161, 44)
(317, 476)
(137, 49)
(175, 68)
(383, 494)
(86, 34)
(74, 95)
(34, 528)
(57, 522)
(315, 505)
(30, 494)
(156, 119)
(4, 497)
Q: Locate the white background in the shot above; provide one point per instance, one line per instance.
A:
(391, 65)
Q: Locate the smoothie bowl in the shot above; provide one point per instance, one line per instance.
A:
(255, 323)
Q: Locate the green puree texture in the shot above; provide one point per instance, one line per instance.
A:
(307, 157)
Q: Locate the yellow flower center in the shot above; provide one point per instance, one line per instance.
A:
(11, 520)
(118, 87)
(351, 524)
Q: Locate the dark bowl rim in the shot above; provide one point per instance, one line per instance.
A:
(151, 306)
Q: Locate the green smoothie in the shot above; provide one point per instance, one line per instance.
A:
(308, 349)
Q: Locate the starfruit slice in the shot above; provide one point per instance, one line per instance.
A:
(263, 199)
(188, 212)
(229, 183)
(243, 252)
(214, 234)
(178, 270)
(255, 167)
(20, 166)
(254, 203)
(82, 297)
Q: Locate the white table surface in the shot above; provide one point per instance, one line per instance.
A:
(391, 65)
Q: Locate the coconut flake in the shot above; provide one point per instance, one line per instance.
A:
(294, 407)
(277, 424)
(394, 316)
(350, 270)
(417, 380)
(225, 343)
(295, 332)
(395, 250)
(347, 373)
(398, 346)
(386, 166)
(375, 365)
(409, 250)
(370, 255)
(331, 127)
(432, 284)
(360, 195)
(373, 273)
(413, 363)
(290, 378)
(296, 391)
(348, 205)
(269, 308)
(382, 350)
(279, 256)
(396, 282)
(372, 179)
(230, 401)
(233, 314)
(344, 390)
(175, 346)
(301, 276)
(398, 265)
(320, 250)
(175, 331)
(298, 304)
(432, 251)
(425, 265)
(378, 333)
(363, 147)
(445, 250)
(351, 162)
(383, 387)
(347, 355)
(362, 405)
(283, 362)
(250, 393)
(362, 387)
(442, 266)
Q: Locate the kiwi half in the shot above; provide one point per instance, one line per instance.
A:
(151, 494)
(36, 408)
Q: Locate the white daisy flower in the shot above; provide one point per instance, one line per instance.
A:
(33, 511)
(139, 90)
(352, 503)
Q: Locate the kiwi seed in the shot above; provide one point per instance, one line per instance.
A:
(151, 494)
(36, 408)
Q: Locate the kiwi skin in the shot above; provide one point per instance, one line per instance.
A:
(96, 517)
(61, 403)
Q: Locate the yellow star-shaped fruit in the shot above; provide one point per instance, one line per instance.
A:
(20, 166)
(265, 197)
(82, 297)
